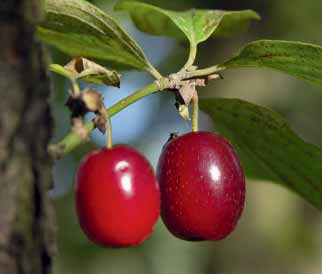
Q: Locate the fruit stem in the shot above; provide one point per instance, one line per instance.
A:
(195, 112)
(108, 127)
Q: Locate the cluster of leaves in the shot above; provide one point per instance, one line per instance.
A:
(268, 148)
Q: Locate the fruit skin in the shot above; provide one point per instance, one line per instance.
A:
(202, 186)
(117, 197)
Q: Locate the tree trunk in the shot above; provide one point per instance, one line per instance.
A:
(26, 219)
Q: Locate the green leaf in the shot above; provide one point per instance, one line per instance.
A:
(268, 148)
(301, 60)
(78, 28)
(196, 25)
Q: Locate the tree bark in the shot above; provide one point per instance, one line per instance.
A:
(26, 219)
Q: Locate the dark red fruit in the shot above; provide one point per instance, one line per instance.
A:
(202, 186)
(117, 197)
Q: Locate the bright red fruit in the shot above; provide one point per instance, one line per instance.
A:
(117, 197)
(202, 186)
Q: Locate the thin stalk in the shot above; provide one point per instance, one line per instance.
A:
(204, 72)
(191, 58)
(108, 126)
(195, 113)
(76, 89)
(153, 71)
(72, 140)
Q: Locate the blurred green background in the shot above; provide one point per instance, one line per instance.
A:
(279, 232)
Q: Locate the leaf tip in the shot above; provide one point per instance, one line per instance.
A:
(119, 5)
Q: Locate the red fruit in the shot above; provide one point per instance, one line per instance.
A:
(202, 186)
(117, 197)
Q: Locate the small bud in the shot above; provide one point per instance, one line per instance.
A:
(183, 110)
(92, 99)
(100, 123)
